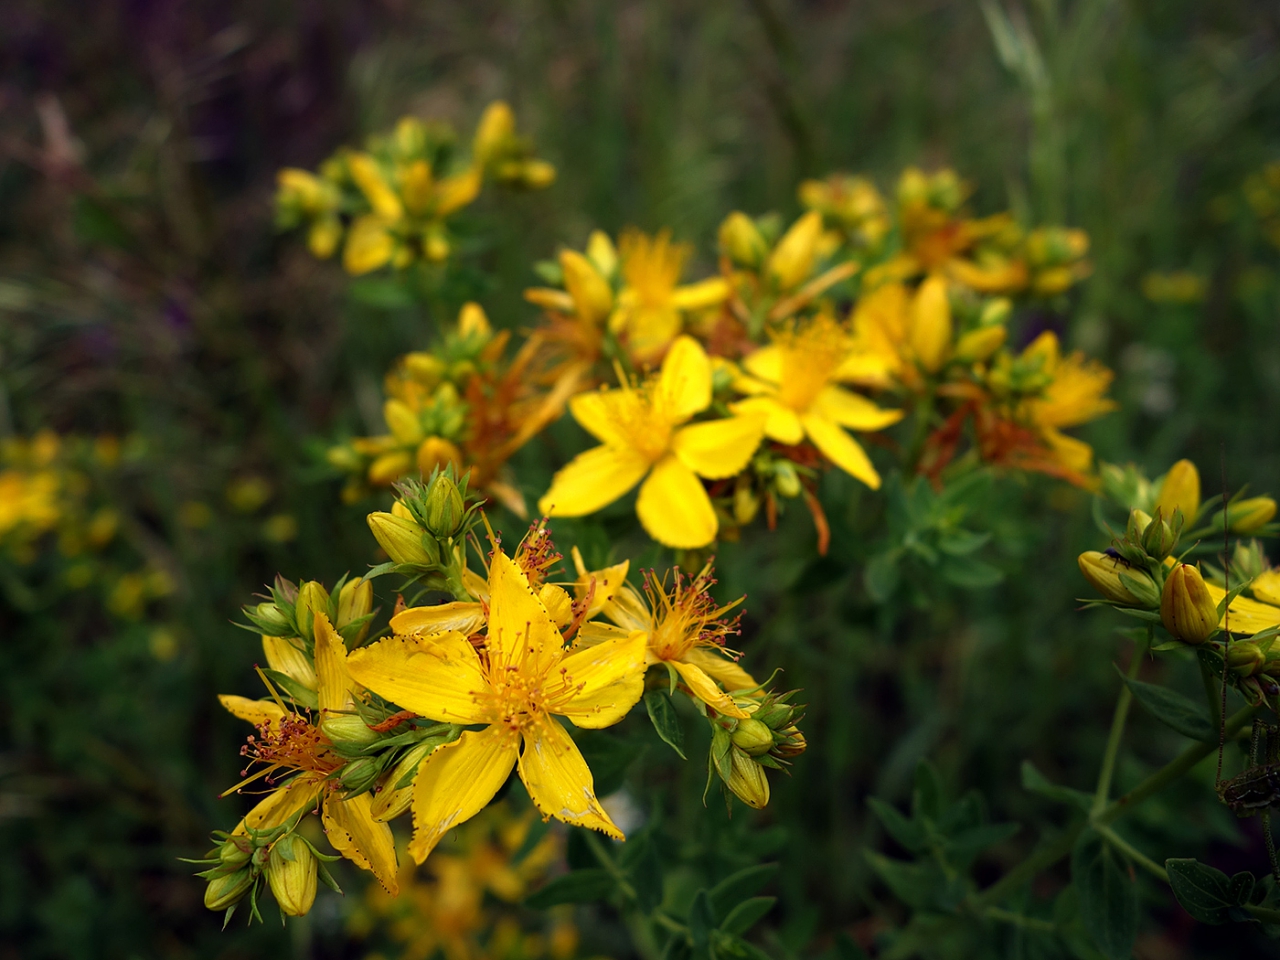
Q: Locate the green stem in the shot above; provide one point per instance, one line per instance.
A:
(1136, 855)
(1211, 692)
(1117, 732)
(1018, 920)
(924, 415)
(1264, 914)
(1044, 856)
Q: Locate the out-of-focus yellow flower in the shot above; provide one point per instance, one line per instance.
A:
(853, 203)
(794, 385)
(899, 335)
(1180, 286)
(525, 679)
(1075, 394)
(645, 435)
(1180, 490)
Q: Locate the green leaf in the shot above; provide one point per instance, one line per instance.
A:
(580, 886)
(1242, 887)
(662, 714)
(303, 696)
(926, 797)
(908, 833)
(737, 887)
(1174, 710)
(746, 914)
(1204, 891)
(380, 292)
(1108, 896)
(970, 574)
(881, 576)
(701, 921)
(1036, 782)
(963, 847)
(961, 543)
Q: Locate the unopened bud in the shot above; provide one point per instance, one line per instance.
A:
(1245, 658)
(1104, 572)
(931, 324)
(270, 619)
(1251, 515)
(400, 538)
(752, 737)
(235, 850)
(741, 242)
(785, 479)
(312, 599)
(1139, 520)
(355, 600)
(792, 259)
(792, 743)
(393, 800)
(291, 872)
(1180, 491)
(360, 774)
(748, 781)
(745, 502)
(402, 422)
(977, 345)
(227, 891)
(1159, 538)
(1186, 608)
(347, 729)
(445, 507)
(591, 293)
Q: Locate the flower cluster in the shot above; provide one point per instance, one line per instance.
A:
(391, 203)
(434, 716)
(1231, 612)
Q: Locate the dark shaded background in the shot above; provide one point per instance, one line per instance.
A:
(144, 292)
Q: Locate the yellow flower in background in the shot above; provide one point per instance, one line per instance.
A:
(652, 303)
(794, 386)
(516, 687)
(853, 203)
(1180, 490)
(1075, 394)
(899, 334)
(645, 435)
(290, 745)
(683, 626)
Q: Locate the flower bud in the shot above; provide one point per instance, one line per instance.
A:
(235, 850)
(402, 422)
(291, 872)
(792, 259)
(792, 743)
(1245, 658)
(752, 737)
(1186, 608)
(1249, 516)
(740, 240)
(748, 781)
(348, 730)
(355, 600)
(1139, 520)
(745, 502)
(400, 538)
(1159, 538)
(1104, 573)
(591, 293)
(312, 599)
(1180, 491)
(496, 129)
(227, 891)
(445, 508)
(270, 619)
(390, 467)
(360, 774)
(976, 345)
(931, 324)
(391, 800)
(785, 479)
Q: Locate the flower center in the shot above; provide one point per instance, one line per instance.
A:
(810, 357)
(291, 743)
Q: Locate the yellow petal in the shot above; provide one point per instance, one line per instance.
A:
(591, 293)
(601, 585)
(602, 253)
(368, 177)
(607, 680)
(780, 422)
(595, 632)
(766, 364)
(1246, 616)
(704, 293)
(685, 381)
(1265, 586)
(673, 507)
(460, 616)
(599, 413)
(721, 669)
(286, 658)
(256, 712)
(719, 448)
(456, 781)
(521, 633)
(853, 410)
(705, 689)
(1072, 453)
(549, 299)
(558, 779)
(791, 261)
(353, 832)
(931, 324)
(438, 677)
(334, 683)
(370, 245)
(454, 193)
(841, 449)
(279, 805)
(591, 480)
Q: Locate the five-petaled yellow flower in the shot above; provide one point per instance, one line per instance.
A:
(794, 384)
(521, 678)
(644, 432)
(1076, 394)
(290, 744)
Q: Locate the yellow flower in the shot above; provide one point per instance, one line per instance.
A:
(522, 678)
(683, 627)
(644, 432)
(795, 386)
(897, 334)
(1075, 394)
(651, 307)
(290, 745)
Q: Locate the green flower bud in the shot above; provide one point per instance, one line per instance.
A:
(270, 619)
(752, 737)
(227, 891)
(392, 800)
(355, 600)
(445, 507)
(1159, 538)
(235, 850)
(1186, 608)
(1245, 658)
(400, 538)
(312, 598)
(291, 872)
(347, 729)
(748, 781)
(361, 774)
(1139, 520)
(785, 479)
(741, 242)
(1249, 516)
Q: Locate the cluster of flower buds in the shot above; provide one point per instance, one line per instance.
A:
(241, 861)
(741, 748)
(425, 533)
(290, 612)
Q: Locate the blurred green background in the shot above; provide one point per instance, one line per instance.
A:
(145, 294)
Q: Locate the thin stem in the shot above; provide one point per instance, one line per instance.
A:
(1018, 920)
(1044, 856)
(1264, 914)
(1210, 691)
(1117, 732)
(1136, 855)
(924, 416)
